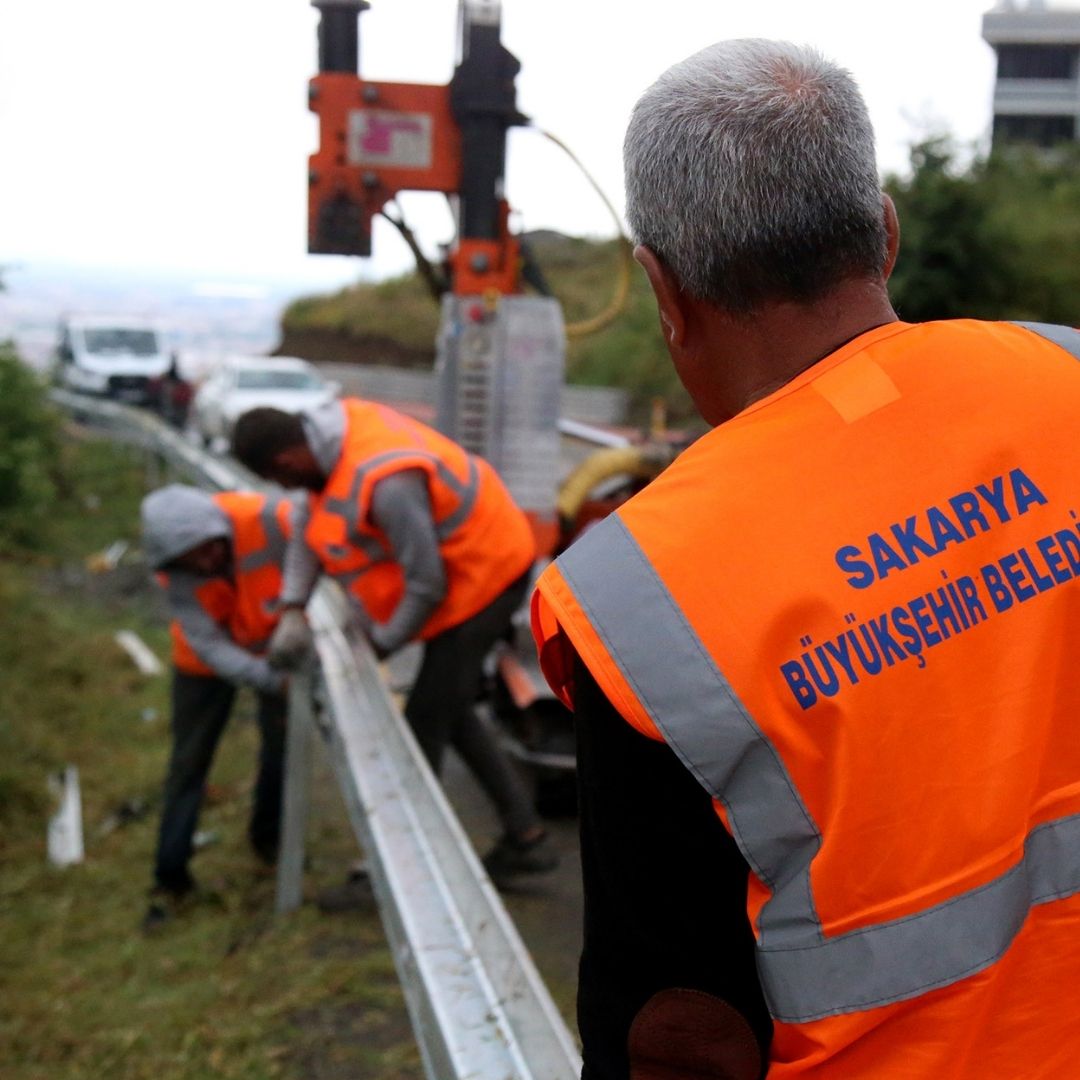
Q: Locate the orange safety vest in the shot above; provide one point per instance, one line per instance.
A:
(853, 611)
(484, 538)
(245, 605)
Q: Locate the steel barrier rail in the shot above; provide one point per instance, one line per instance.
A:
(478, 1007)
(142, 428)
(492, 1017)
(590, 433)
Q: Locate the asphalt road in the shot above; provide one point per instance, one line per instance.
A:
(547, 909)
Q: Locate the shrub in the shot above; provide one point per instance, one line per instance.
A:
(29, 452)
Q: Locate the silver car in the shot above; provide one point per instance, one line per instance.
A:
(242, 383)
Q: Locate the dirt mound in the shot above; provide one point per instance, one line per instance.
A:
(326, 346)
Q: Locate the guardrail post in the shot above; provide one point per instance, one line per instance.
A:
(297, 794)
(151, 466)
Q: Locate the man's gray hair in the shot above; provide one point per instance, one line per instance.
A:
(750, 172)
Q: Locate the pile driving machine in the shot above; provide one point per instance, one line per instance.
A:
(500, 354)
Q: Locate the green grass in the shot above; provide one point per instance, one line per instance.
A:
(400, 309)
(227, 990)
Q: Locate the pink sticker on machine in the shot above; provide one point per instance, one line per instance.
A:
(383, 137)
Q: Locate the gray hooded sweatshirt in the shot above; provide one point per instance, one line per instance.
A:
(176, 519)
(401, 508)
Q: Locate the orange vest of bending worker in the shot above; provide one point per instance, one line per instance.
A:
(485, 540)
(853, 611)
(245, 605)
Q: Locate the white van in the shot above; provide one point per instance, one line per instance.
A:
(116, 356)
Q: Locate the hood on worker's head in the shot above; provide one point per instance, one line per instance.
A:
(176, 519)
(324, 429)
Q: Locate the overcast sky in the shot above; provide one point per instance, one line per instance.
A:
(174, 133)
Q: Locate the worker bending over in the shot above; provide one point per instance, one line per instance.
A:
(219, 559)
(428, 544)
(825, 668)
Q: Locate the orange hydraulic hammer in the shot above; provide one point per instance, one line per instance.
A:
(378, 138)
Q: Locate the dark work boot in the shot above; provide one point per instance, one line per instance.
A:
(266, 850)
(165, 902)
(511, 858)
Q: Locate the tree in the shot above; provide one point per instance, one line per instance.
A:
(29, 451)
(1035, 196)
(996, 239)
(956, 259)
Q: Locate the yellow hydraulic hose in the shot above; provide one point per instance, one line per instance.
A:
(642, 462)
(622, 280)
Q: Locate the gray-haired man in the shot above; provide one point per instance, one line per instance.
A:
(826, 721)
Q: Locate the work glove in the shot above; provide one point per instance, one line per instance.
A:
(269, 680)
(291, 641)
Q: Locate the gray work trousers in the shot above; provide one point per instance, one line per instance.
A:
(200, 709)
(441, 708)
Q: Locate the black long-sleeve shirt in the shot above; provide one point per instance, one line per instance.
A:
(665, 886)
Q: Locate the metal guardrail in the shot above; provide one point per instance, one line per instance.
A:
(478, 1006)
(589, 433)
(589, 404)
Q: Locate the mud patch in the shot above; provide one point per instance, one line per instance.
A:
(338, 347)
(355, 1042)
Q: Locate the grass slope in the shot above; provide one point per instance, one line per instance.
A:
(225, 991)
(396, 321)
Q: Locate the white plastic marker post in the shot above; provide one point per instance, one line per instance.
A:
(65, 840)
(139, 651)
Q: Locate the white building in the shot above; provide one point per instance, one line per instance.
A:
(1037, 93)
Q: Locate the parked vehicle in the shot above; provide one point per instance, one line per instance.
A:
(171, 395)
(117, 356)
(242, 383)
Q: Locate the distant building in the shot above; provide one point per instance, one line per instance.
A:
(1037, 92)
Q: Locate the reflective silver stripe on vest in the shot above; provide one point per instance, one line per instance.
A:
(692, 703)
(371, 546)
(902, 959)
(273, 551)
(1065, 336)
(467, 493)
(347, 577)
(349, 508)
(805, 976)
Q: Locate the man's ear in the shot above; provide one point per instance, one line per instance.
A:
(668, 295)
(892, 235)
